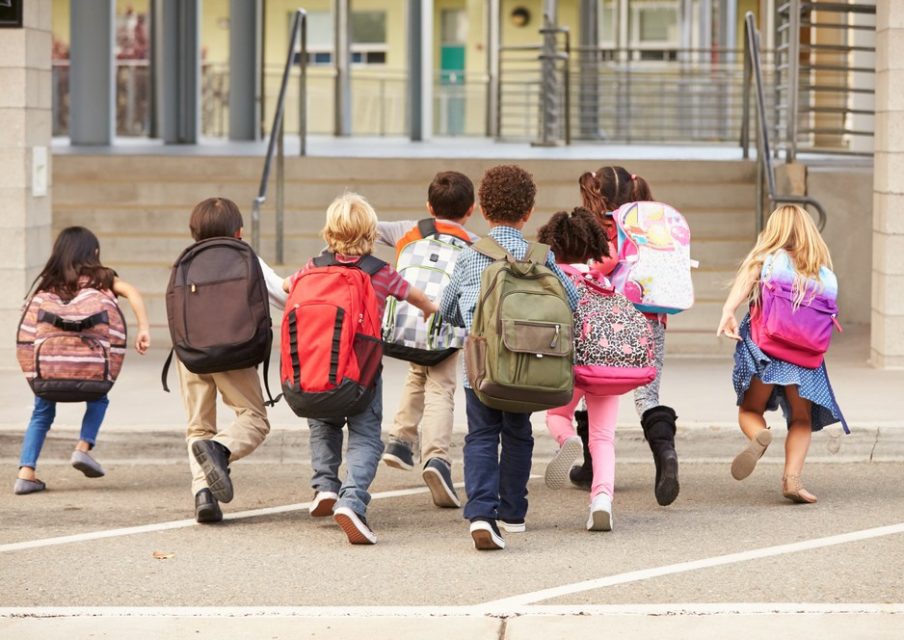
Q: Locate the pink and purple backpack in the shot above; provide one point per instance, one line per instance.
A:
(796, 333)
(613, 343)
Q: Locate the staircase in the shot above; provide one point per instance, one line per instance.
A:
(139, 206)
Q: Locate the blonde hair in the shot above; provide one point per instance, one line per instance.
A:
(792, 229)
(351, 225)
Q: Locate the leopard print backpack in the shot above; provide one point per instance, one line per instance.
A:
(613, 343)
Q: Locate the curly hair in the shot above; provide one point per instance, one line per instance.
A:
(575, 237)
(506, 193)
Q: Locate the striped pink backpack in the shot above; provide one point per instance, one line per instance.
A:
(71, 351)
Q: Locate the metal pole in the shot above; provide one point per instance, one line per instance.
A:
(549, 95)
(589, 94)
(342, 56)
(745, 104)
(280, 189)
(567, 65)
(303, 89)
(415, 71)
(494, 42)
(793, 76)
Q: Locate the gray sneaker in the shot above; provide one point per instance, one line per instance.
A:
(86, 464)
(398, 455)
(438, 476)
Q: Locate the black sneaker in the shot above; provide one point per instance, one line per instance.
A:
(398, 455)
(214, 460)
(486, 536)
(581, 476)
(438, 476)
(206, 508)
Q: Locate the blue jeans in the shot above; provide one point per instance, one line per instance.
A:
(364, 450)
(42, 418)
(496, 484)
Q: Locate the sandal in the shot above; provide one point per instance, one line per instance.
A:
(795, 492)
(745, 462)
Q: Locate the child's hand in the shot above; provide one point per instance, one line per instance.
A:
(728, 326)
(143, 341)
(429, 309)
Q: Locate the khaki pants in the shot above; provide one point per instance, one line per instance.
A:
(428, 399)
(241, 391)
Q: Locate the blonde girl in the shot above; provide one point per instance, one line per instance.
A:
(790, 249)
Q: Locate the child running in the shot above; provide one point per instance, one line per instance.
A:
(789, 249)
(428, 392)
(211, 449)
(576, 238)
(496, 483)
(74, 265)
(350, 233)
(603, 191)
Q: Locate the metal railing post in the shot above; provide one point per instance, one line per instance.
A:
(549, 97)
(793, 76)
(567, 86)
(745, 105)
(303, 89)
(276, 144)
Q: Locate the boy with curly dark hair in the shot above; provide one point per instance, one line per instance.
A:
(496, 485)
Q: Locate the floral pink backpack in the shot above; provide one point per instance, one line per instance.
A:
(613, 343)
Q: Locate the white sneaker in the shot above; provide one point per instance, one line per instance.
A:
(323, 503)
(512, 527)
(486, 536)
(600, 514)
(557, 470)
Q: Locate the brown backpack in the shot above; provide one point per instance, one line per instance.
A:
(218, 308)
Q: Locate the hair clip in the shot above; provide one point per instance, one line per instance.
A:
(633, 177)
(593, 174)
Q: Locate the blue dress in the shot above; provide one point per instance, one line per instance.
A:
(812, 384)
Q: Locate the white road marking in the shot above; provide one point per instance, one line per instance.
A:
(687, 609)
(694, 565)
(181, 524)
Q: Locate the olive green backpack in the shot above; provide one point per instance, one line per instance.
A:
(519, 353)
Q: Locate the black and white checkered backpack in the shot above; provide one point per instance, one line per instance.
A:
(426, 256)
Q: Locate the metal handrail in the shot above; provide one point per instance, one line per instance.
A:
(277, 135)
(753, 71)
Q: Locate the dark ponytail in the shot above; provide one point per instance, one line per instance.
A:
(575, 237)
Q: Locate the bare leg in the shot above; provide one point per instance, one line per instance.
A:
(750, 418)
(800, 433)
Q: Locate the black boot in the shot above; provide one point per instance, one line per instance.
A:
(659, 430)
(582, 475)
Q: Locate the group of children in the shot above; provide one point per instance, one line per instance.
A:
(582, 245)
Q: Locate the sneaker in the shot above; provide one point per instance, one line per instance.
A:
(438, 476)
(600, 514)
(512, 526)
(581, 476)
(398, 455)
(354, 526)
(207, 510)
(24, 486)
(323, 504)
(86, 464)
(557, 470)
(214, 460)
(486, 536)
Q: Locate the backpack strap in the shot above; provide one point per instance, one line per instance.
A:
(487, 246)
(368, 264)
(271, 400)
(165, 372)
(537, 252)
(427, 227)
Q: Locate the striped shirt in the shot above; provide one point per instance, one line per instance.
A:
(386, 282)
(460, 296)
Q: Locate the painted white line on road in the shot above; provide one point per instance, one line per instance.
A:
(686, 609)
(694, 565)
(181, 524)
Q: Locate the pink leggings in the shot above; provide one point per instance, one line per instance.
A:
(602, 412)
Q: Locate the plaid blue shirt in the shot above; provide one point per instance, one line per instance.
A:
(460, 295)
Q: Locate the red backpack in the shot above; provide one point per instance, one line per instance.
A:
(331, 344)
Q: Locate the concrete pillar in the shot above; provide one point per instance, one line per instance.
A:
(887, 326)
(493, 43)
(177, 58)
(92, 72)
(25, 111)
(342, 42)
(245, 36)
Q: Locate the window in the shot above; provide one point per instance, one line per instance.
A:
(368, 44)
(648, 28)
